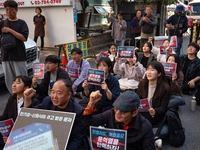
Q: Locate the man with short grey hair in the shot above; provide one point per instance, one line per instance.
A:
(148, 24)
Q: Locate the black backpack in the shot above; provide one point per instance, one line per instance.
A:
(176, 130)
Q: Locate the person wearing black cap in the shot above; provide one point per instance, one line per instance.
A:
(125, 116)
(177, 25)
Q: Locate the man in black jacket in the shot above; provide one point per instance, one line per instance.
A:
(125, 116)
(177, 25)
(54, 72)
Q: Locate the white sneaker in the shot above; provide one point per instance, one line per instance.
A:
(158, 143)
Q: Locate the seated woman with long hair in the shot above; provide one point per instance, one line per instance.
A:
(175, 83)
(132, 72)
(16, 101)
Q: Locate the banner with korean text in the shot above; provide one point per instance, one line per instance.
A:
(107, 139)
(40, 129)
(81, 45)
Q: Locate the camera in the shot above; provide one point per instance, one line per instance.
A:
(145, 14)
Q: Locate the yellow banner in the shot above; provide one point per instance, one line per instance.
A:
(81, 45)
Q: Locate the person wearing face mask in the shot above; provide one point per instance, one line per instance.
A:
(132, 72)
(109, 89)
(175, 83)
(146, 56)
(177, 25)
(118, 28)
(148, 24)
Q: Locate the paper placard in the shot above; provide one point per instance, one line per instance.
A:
(102, 54)
(40, 129)
(95, 76)
(173, 41)
(73, 72)
(144, 105)
(170, 68)
(6, 127)
(38, 71)
(190, 21)
(126, 52)
(107, 139)
(163, 50)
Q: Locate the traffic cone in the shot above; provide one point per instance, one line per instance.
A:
(64, 61)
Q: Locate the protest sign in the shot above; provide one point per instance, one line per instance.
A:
(102, 54)
(36, 129)
(173, 41)
(73, 72)
(38, 71)
(126, 52)
(170, 68)
(144, 105)
(163, 50)
(6, 127)
(95, 76)
(190, 21)
(108, 139)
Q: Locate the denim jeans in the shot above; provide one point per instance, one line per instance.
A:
(179, 45)
(119, 43)
(175, 101)
(164, 131)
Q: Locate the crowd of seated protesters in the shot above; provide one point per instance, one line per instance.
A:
(105, 103)
(132, 72)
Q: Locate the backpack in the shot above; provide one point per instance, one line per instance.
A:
(176, 131)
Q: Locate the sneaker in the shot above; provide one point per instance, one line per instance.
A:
(158, 143)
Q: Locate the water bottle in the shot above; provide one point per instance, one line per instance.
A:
(193, 103)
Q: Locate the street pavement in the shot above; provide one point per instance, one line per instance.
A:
(190, 120)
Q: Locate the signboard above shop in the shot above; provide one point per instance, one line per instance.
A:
(34, 3)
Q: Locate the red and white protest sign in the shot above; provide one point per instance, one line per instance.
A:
(163, 50)
(6, 127)
(190, 21)
(38, 71)
(95, 76)
(73, 72)
(170, 68)
(108, 139)
(144, 105)
(126, 52)
(102, 54)
(173, 41)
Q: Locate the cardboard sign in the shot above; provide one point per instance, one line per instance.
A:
(190, 21)
(163, 50)
(73, 72)
(108, 139)
(170, 68)
(6, 127)
(38, 71)
(173, 41)
(126, 52)
(38, 129)
(95, 76)
(102, 54)
(144, 105)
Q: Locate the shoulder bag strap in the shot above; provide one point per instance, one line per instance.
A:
(79, 69)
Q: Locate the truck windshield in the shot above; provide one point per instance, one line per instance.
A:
(195, 9)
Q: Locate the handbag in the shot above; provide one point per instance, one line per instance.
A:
(8, 41)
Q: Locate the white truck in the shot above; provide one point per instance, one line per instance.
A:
(195, 10)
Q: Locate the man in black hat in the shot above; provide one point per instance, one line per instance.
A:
(125, 116)
(177, 25)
